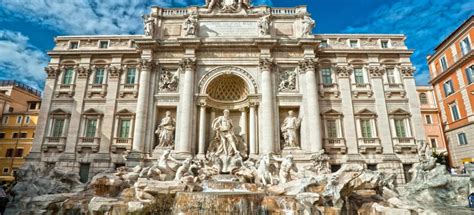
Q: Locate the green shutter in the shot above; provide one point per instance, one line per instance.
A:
(91, 126)
(400, 128)
(58, 127)
(366, 128)
(124, 128)
(99, 76)
(130, 76)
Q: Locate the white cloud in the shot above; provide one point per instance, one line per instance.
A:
(425, 22)
(21, 61)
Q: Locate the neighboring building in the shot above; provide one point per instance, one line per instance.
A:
(452, 77)
(431, 118)
(20, 106)
(105, 95)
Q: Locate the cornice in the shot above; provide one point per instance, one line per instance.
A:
(461, 61)
(90, 52)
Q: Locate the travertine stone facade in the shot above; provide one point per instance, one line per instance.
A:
(354, 95)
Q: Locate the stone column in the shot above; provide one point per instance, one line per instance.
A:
(186, 105)
(383, 122)
(350, 132)
(141, 115)
(202, 130)
(212, 117)
(252, 131)
(243, 124)
(313, 116)
(268, 120)
(413, 102)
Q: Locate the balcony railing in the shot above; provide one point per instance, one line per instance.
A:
(284, 11)
(335, 145)
(394, 88)
(329, 89)
(65, 89)
(128, 89)
(175, 12)
(362, 88)
(366, 144)
(100, 89)
(404, 144)
(88, 142)
(58, 143)
(121, 143)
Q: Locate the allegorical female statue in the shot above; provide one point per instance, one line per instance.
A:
(165, 131)
(289, 129)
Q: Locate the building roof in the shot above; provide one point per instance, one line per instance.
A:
(20, 85)
(467, 21)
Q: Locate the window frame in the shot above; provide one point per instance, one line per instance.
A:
(470, 74)
(53, 126)
(68, 74)
(127, 75)
(468, 44)
(19, 120)
(326, 74)
(435, 142)
(325, 42)
(423, 97)
(464, 138)
(430, 121)
(100, 42)
(101, 77)
(443, 61)
(72, 42)
(357, 44)
(362, 130)
(361, 70)
(387, 43)
(91, 132)
(5, 120)
(27, 120)
(120, 127)
(458, 114)
(451, 87)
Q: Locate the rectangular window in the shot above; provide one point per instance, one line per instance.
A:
(454, 111)
(19, 119)
(67, 76)
(359, 76)
(406, 171)
(323, 44)
(99, 76)
(91, 126)
(462, 139)
(353, 43)
(2, 135)
(366, 128)
(5, 170)
(32, 105)
(470, 74)
(326, 73)
(124, 128)
(465, 46)
(5, 120)
(400, 128)
(9, 153)
(428, 119)
(104, 44)
(23, 135)
(84, 172)
(434, 145)
(19, 153)
(130, 79)
(384, 44)
(73, 45)
(331, 128)
(14, 135)
(391, 76)
(444, 63)
(448, 88)
(27, 120)
(57, 130)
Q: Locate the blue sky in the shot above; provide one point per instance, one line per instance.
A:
(28, 27)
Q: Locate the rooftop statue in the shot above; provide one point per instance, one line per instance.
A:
(227, 6)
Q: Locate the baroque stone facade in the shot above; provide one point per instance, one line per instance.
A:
(108, 99)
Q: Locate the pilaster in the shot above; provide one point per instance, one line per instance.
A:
(186, 107)
(344, 72)
(413, 102)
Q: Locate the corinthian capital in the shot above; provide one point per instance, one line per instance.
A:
(407, 71)
(188, 64)
(344, 71)
(376, 71)
(265, 64)
(114, 72)
(147, 64)
(51, 72)
(308, 64)
(83, 72)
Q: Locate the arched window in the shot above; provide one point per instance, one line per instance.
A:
(423, 99)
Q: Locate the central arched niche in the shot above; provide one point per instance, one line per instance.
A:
(227, 88)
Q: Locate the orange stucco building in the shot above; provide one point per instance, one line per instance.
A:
(452, 77)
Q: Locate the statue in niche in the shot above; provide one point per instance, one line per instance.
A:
(168, 81)
(149, 27)
(224, 128)
(287, 81)
(289, 129)
(191, 24)
(264, 25)
(308, 25)
(165, 131)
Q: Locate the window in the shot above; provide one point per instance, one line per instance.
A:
(23, 135)
(91, 126)
(5, 170)
(130, 79)
(2, 135)
(27, 120)
(124, 128)
(84, 172)
(323, 44)
(434, 145)
(470, 74)
(19, 153)
(423, 99)
(58, 125)
(353, 43)
(406, 171)
(448, 88)
(326, 73)
(465, 46)
(391, 76)
(384, 44)
(331, 127)
(428, 119)
(32, 105)
(19, 119)
(462, 139)
(454, 111)
(73, 45)
(400, 128)
(14, 135)
(359, 76)
(103, 44)
(444, 63)
(10, 110)
(372, 167)
(99, 76)
(67, 76)
(9, 153)
(366, 128)
(5, 120)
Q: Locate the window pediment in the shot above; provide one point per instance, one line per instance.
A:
(59, 112)
(366, 113)
(92, 112)
(400, 113)
(124, 112)
(332, 113)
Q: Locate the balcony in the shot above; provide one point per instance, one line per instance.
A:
(394, 89)
(128, 89)
(120, 143)
(369, 144)
(335, 145)
(402, 144)
(364, 88)
(328, 89)
(57, 143)
(100, 89)
(67, 89)
(88, 142)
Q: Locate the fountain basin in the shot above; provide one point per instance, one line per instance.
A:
(218, 203)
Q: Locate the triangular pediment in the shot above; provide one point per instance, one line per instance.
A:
(124, 112)
(399, 112)
(58, 111)
(92, 111)
(332, 112)
(366, 112)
